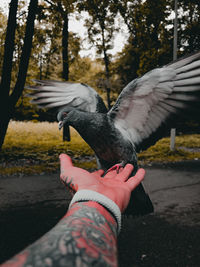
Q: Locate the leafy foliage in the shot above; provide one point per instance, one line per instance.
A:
(189, 26)
(101, 28)
(149, 44)
(3, 20)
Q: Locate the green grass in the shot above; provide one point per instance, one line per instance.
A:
(187, 148)
(31, 148)
(35, 148)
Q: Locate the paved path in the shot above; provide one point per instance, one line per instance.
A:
(175, 190)
(172, 188)
(36, 202)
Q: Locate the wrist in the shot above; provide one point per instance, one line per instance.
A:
(101, 209)
(105, 202)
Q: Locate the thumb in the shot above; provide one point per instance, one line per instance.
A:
(65, 163)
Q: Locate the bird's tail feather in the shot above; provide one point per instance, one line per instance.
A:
(140, 203)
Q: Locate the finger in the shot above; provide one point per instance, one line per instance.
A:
(120, 169)
(134, 181)
(110, 174)
(98, 172)
(65, 163)
(125, 173)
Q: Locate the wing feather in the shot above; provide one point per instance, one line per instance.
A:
(55, 94)
(146, 104)
(189, 74)
(186, 89)
(195, 80)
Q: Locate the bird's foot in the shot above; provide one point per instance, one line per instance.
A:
(115, 167)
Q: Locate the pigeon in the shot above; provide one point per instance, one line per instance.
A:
(144, 109)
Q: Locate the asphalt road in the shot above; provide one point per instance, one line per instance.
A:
(30, 206)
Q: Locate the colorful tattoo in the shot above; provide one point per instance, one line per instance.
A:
(86, 236)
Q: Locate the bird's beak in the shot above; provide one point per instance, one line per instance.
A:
(60, 125)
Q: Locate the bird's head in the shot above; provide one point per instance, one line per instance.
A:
(78, 119)
(63, 117)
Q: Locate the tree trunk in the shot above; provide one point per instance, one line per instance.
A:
(65, 54)
(6, 70)
(7, 103)
(106, 62)
(26, 52)
(4, 121)
(40, 66)
(65, 59)
(47, 68)
(8, 52)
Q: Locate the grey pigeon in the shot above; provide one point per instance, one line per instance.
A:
(136, 121)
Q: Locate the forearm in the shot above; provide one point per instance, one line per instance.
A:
(86, 236)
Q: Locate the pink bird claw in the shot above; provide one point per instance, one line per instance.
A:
(115, 167)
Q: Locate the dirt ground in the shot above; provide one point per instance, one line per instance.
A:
(30, 206)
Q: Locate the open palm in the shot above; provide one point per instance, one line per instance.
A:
(116, 186)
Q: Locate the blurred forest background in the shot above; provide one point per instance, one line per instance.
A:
(55, 52)
(36, 43)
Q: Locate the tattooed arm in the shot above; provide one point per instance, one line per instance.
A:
(87, 234)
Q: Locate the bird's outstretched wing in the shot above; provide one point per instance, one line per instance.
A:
(55, 94)
(147, 103)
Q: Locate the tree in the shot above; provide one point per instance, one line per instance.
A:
(46, 57)
(101, 27)
(150, 42)
(62, 9)
(189, 26)
(8, 97)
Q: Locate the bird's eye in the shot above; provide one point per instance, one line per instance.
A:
(64, 114)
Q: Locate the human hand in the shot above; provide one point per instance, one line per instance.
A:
(116, 186)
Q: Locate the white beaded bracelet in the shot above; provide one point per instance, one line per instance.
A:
(89, 195)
